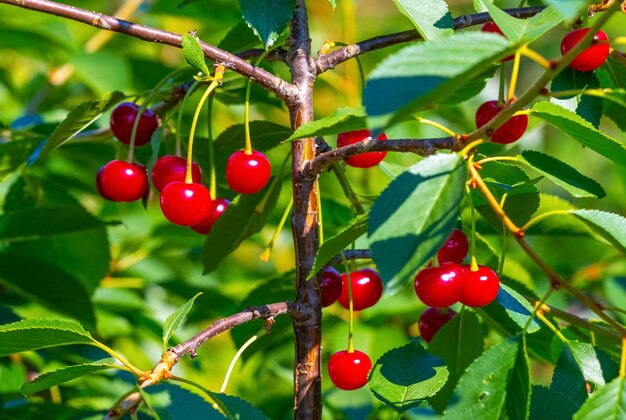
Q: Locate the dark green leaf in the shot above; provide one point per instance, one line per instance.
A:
(610, 226)
(428, 73)
(268, 18)
(415, 215)
(237, 409)
(543, 405)
(577, 364)
(458, 343)
(50, 379)
(239, 38)
(175, 320)
(405, 376)
(342, 120)
(581, 130)
(523, 30)
(36, 223)
(243, 218)
(563, 175)
(193, 53)
(34, 334)
(14, 154)
(518, 308)
(606, 403)
(336, 244)
(75, 122)
(519, 388)
(432, 19)
(171, 402)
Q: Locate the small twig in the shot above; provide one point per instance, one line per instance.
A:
(352, 254)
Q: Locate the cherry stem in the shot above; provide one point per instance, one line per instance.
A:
(329, 44)
(350, 306)
(192, 132)
(355, 204)
(265, 255)
(470, 146)
(181, 107)
(320, 220)
(501, 87)
(212, 177)
(553, 327)
(473, 264)
(622, 362)
(243, 348)
(535, 56)
(437, 125)
(121, 358)
(537, 305)
(497, 159)
(514, 76)
(246, 111)
(541, 216)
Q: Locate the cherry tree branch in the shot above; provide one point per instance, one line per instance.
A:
(163, 368)
(329, 61)
(275, 84)
(351, 254)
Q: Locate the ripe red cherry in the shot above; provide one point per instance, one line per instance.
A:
(590, 58)
(349, 371)
(247, 174)
(122, 181)
(431, 321)
(173, 168)
(123, 119)
(495, 29)
(455, 249)
(440, 286)
(331, 286)
(218, 206)
(480, 287)
(185, 204)
(508, 132)
(363, 160)
(367, 288)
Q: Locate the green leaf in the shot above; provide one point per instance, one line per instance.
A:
(46, 284)
(482, 391)
(519, 389)
(14, 153)
(610, 226)
(520, 31)
(243, 218)
(169, 402)
(405, 376)
(50, 379)
(567, 9)
(606, 403)
(543, 405)
(268, 18)
(35, 223)
(193, 53)
(516, 307)
(459, 342)
(334, 245)
(581, 130)
(577, 364)
(577, 184)
(34, 334)
(414, 216)
(239, 38)
(427, 73)
(432, 19)
(333, 3)
(75, 122)
(175, 320)
(238, 409)
(342, 120)
(555, 225)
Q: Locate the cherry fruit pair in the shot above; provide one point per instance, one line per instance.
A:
(367, 288)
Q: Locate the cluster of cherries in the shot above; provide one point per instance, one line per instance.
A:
(588, 60)
(184, 199)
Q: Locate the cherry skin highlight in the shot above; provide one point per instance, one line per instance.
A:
(218, 206)
(495, 29)
(455, 249)
(367, 288)
(331, 286)
(508, 132)
(349, 371)
(122, 181)
(590, 58)
(185, 204)
(123, 119)
(173, 168)
(480, 287)
(247, 174)
(440, 286)
(431, 321)
(362, 160)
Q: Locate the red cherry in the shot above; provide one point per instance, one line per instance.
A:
(480, 287)
(590, 58)
(173, 168)
(185, 204)
(508, 132)
(363, 160)
(367, 288)
(455, 249)
(218, 206)
(123, 119)
(331, 286)
(440, 286)
(349, 371)
(431, 321)
(247, 174)
(495, 29)
(122, 181)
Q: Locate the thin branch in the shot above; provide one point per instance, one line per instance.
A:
(279, 54)
(352, 254)
(423, 147)
(275, 84)
(162, 369)
(330, 60)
